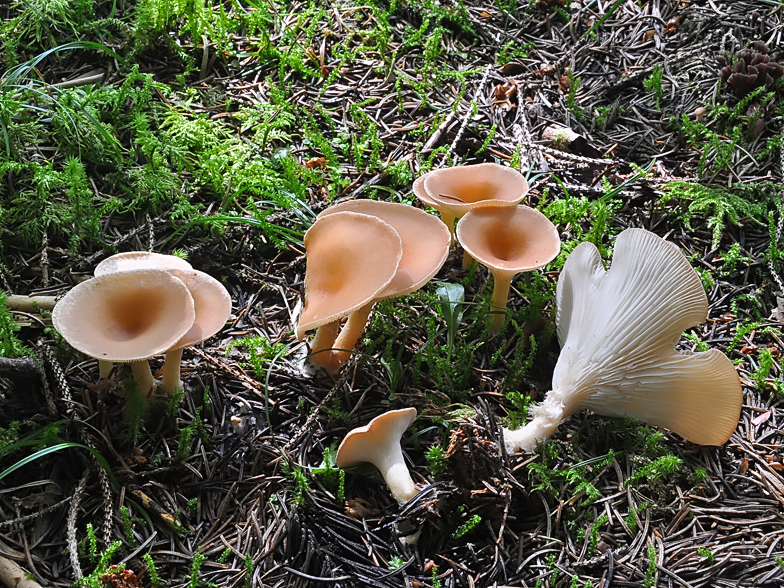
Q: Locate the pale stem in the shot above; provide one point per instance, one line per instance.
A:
(547, 416)
(104, 369)
(322, 343)
(171, 371)
(142, 375)
(467, 260)
(351, 333)
(392, 466)
(501, 283)
(448, 218)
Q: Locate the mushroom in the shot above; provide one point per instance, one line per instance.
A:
(212, 305)
(618, 330)
(139, 259)
(425, 242)
(456, 190)
(126, 317)
(508, 241)
(378, 443)
(135, 260)
(351, 258)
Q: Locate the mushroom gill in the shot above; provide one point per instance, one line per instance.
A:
(618, 330)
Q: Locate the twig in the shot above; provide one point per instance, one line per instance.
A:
(30, 304)
(13, 576)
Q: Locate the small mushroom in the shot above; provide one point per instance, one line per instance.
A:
(378, 443)
(129, 260)
(508, 241)
(139, 260)
(456, 190)
(126, 316)
(618, 330)
(425, 241)
(212, 305)
(351, 258)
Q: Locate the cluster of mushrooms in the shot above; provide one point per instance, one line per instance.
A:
(618, 328)
(752, 68)
(363, 251)
(138, 305)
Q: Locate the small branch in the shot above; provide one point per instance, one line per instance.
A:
(12, 576)
(31, 304)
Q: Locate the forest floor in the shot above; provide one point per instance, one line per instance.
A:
(218, 130)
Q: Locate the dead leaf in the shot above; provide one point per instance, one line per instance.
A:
(565, 139)
(648, 35)
(672, 26)
(744, 467)
(315, 162)
(360, 509)
(778, 313)
(758, 420)
(513, 68)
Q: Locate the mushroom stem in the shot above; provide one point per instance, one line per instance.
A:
(501, 283)
(467, 260)
(448, 217)
(104, 369)
(547, 416)
(393, 468)
(142, 375)
(171, 371)
(322, 343)
(350, 334)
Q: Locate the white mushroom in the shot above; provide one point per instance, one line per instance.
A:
(618, 330)
(378, 443)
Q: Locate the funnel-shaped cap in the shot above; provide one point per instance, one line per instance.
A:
(351, 258)
(420, 192)
(467, 187)
(618, 330)
(509, 240)
(212, 304)
(425, 241)
(125, 316)
(139, 260)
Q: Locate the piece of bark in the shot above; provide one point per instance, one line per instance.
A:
(18, 368)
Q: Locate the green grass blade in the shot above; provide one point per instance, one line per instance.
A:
(60, 446)
(605, 16)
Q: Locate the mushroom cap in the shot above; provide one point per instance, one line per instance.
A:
(421, 193)
(125, 316)
(368, 443)
(212, 304)
(351, 258)
(424, 237)
(466, 187)
(618, 330)
(509, 240)
(139, 259)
